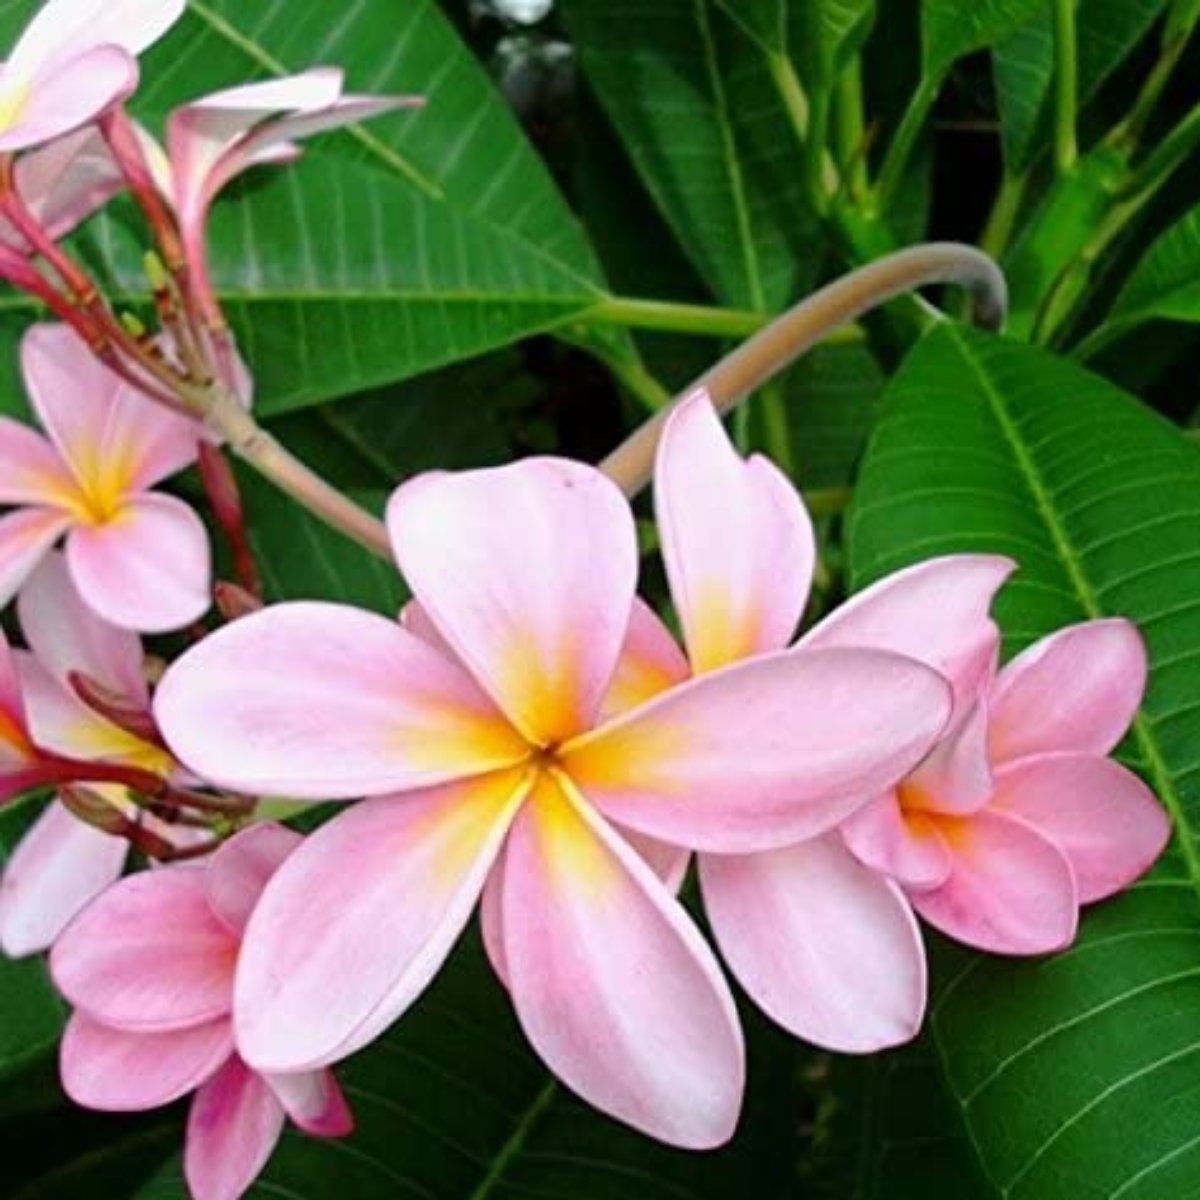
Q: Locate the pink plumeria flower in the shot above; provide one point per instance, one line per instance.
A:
(1019, 816)
(825, 943)
(18, 755)
(73, 61)
(62, 184)
(63, 862)
(213, 140)
(480, 733)
(140, 559)
(149, 967)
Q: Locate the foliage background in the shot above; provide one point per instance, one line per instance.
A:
(588, 211)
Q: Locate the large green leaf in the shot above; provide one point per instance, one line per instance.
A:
(1107, 32)
(423, 238)
(1164, 285)
(451, 1105)
(951, 29)
(1076, 1076)
(691, 97)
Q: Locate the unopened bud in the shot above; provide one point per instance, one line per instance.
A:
(234, 601)
(92, 808)
(114, 707)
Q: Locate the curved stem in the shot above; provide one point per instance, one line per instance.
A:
(789, 336)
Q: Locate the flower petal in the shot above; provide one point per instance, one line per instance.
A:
(314, 1101)
(736, 539)
(935, 612)
(148, 567)
(115, 1070)
(66, 24)
(26, 537)
(233, 1125)
(357, 922)
(148, 955)
(67, 635)
(650, 662)
(324, 701)
(612, 983)
(956, 776)
(14, 732)
(55, 869)
(1100, 815)
(1011, 891)
(236, 874)
(763, 753)
(823, 945)
(528, 571)
(69, 92)
(31, 471)
(905, 846)
(1076, 690)
(491, 919)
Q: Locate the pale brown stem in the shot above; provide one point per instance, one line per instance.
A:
(776, 347)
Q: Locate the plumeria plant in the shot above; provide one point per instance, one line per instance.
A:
(298, 730)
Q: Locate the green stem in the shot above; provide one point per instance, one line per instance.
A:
(777, 432)
(1002, 218)
(816, 153)
(809, 121)
(1066, 53)
(905, 138)
(1180, 25)
(849, 129)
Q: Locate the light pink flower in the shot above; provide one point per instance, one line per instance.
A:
(73, 61)
(820, 938)
(1019, 817)
(62, 862)
(479, 730)
(140, 559)
(213, 140)
(149, 967)
(17, 751)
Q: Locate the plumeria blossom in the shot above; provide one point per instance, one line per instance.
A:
(211, 141)
(1020, 816)
(18, 755)
(820, 933)
(139, 559)
(480, 732)
(149, 968)
(73, 61)
(63, 862)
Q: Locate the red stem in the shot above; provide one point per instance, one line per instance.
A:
(226, 500)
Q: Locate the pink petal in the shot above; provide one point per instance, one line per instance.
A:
(736, 539)
(148, 955)
(236, 874)
(31, 471)
(763, 753)
(528, 571)
(14, 734)
(145, 442)
(1011, 891)
(936, 612)
(322, 701)
(65, 181)
(359, 919)
(67, 635)
(1100, 815)
(1076, 690)
(823, 945)
(26, 537)
(905, 846)
(612, 983)
(148, 567)
(233, 1125)
(314, 1101)
(650, 663)
(68, 24)
(115, 1070)
(67, 93)
(55, 869)
(491, 920)
(955, 777)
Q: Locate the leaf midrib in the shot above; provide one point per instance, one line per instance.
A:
(1143, 737)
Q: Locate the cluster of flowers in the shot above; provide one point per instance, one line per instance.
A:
(528, 739)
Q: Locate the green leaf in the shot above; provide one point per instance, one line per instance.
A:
(451, 1105)
(1164, 285)
(1107, 33)
(420, 239)
(1077, 1075)
(689, 94)
(951, 29)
